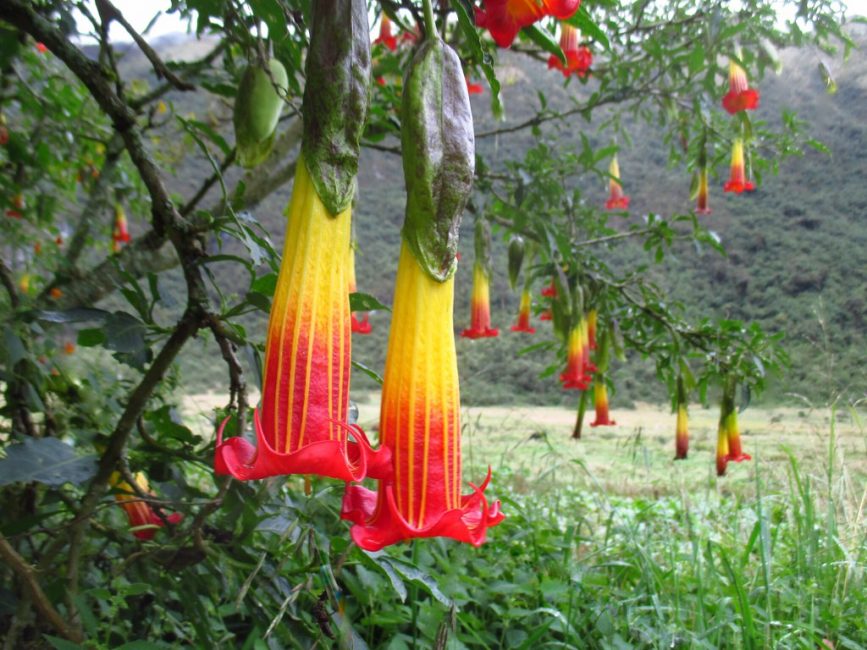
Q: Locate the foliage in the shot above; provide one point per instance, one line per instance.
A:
(91, 336)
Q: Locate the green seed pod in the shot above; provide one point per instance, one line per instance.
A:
(438, 155)
(516, 259)
(257, 110)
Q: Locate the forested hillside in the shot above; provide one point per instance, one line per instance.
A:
(797, 248)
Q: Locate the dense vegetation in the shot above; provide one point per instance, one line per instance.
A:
(795, 258)
(123, 525)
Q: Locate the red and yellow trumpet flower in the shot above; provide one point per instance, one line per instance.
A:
(480, 307)
(681, 440)
(740, 96)
(702, 205)
(738, 182)
(617, 200)
(420, 424)
(480, 303)
(386, 36)
(523, 324)
(576, 375)
(358, 326)
(120, 234)
(600, 401)
(420, 411)
(143, 520)
(302, 427)
(578, 57)
(728, 434)
(505, 18)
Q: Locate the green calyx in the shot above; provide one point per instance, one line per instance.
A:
(482, 244)
(438, 156)
(336, 98)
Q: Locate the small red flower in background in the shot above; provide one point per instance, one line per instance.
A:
(550, 291)
(474, 89)
(682, 429)
(143, 520)
(4, 135)
(728, 435)
(55, 293)
(578, 366)
(58, 240)
(480, 314)
(505, 18)
(120, 234)
(617, 200)
(600, 401)
(740, 96)
(738, 182)
(40, 47)
(69, 347)
(523, 324)
(702, 205)
(546, 315)
(386, 37)
(358, 326)
(578, 57)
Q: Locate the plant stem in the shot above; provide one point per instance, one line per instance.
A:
(430, 26)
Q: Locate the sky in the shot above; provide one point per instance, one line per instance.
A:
(140, 12)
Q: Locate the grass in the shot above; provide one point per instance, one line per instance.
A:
(609, 543)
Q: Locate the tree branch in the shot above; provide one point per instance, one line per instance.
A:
(27, 574)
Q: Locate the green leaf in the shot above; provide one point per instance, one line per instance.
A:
(60, 644)
(365, 302)
(582, 20)
(543, 39)
(375, 376)
(45, 460)
(88, 338)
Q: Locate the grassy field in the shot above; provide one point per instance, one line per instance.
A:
(609, 543)
(531, 447)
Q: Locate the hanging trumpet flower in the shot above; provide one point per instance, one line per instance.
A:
(617, 200)
(420, 412)
(386, 36)
(480, 303)
(728, 434)
(738, 182)
(600, 389)
(682, 430)
(740, 96)
(120, 233)
(702, 193)
(523, 324)
(577, 373)
(143, 519)
(578, 57)
(505, 18)
(358, 326)
(302, 425)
